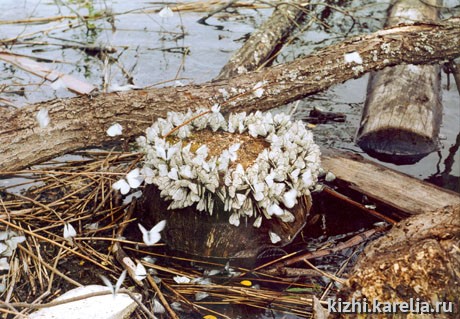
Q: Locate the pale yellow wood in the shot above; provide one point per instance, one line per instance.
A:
(399, 191)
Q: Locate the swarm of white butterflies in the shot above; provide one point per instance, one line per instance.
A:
(9, 241)
(268, 188)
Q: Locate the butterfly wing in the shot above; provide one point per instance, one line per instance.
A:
(107, 283)
(134, 179)
(159, 227)
(122, 186)
(114, 130)
(151, 238)
(140, 272)
(120, 281)
(274, 238)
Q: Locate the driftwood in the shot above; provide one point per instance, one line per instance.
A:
(395, 194)
(418, 258)
(402, 113)
(265, 42)
(82, 121)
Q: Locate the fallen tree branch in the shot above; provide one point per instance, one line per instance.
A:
(265, 41)
(82, 121)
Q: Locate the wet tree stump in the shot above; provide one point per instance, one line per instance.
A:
(208, 236)
(402, 113)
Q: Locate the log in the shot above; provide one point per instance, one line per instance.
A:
(82, 121)
(395, 194)
(402, 113)
(265, 42)
(418, 258)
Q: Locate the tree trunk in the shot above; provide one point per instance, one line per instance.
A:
(82, 121)
(402, 113)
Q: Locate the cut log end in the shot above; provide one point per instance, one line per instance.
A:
(396, 145)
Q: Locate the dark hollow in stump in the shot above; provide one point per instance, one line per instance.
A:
(402, 113)
(211, 236)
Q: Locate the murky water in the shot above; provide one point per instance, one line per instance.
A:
(152, 50)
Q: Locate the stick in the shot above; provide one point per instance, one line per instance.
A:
(217, 10)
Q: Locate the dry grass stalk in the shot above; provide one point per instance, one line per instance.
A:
(79, 192)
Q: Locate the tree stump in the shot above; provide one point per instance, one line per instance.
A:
(228, 188)
(211, 236)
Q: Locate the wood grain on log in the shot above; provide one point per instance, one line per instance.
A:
(402, 113)
(82, 121)
(394, 193)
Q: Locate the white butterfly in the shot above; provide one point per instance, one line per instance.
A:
(232, 151)
(117, 286)
(166, 12)
(158, 307)
(122, 186)
(69, 231)
(274, 237)
(200, 295)
(133, 180)
(165, 152)
(258, 192)
(114, 130)
(148, 174)
(140, 273)
(234, 219)
(290, 198)
(307, 178)
(152, 236)
(173, 174)
(43, 118)
(4, 265)
(181, 279)
(186, 171)
(275, 210)
(257, 222)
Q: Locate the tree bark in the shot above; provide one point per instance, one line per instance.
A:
(418, 258)
(82, 121)
(265, 41)
(402, 113)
